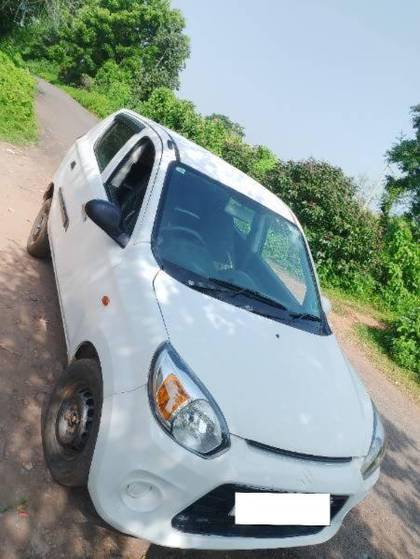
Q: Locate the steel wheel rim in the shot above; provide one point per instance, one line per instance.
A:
(75, 420)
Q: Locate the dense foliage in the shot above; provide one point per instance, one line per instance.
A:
(405, 187)
(17, 12)
(405, 339)
(141, 39)
(344, 238)
(17, 119)
(400, 258)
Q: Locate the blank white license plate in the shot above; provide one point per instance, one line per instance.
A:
(282, 509)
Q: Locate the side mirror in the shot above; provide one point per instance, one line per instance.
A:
(326, 304)
(107, 216)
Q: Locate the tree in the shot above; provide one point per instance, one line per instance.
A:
(143, 37)
(400, 274)
(345, 239)
(21, 12)
(405, 188)
(16, 12)
(229, 124)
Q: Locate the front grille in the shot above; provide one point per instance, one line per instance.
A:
(299, 455)
(210, 515)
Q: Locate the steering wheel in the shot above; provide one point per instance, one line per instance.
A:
(185, 231)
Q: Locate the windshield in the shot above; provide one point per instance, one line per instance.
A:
(223, 240)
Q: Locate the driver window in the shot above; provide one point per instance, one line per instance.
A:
(128, 185)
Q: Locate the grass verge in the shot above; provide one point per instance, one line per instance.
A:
(372, 307)
(17, 93)
(374, 342)
(93, 101)
(370, 329)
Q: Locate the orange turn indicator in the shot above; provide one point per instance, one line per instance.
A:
(170, 396)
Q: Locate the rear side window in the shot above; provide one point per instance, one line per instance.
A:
(284, 251)
(113, 140)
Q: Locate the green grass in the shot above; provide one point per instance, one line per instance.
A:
(17, 93)
(371, 305)
(375, 341)
(93, 101)
(43, 69)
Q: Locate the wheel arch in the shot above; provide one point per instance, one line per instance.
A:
(87, 350)
(91, 343)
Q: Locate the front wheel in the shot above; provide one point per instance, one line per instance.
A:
(71, 423)
(38, 244)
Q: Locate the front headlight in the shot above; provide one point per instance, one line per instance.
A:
(183, 406)
(377, 446)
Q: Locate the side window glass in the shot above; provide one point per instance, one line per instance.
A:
(128, 185)
(113, 140)
(283, 250)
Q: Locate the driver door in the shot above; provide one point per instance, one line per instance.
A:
(84, 255)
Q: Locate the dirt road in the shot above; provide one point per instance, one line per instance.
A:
(39, 519)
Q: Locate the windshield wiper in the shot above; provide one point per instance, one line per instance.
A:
(238, 290)
(304, 316)
(234, 290)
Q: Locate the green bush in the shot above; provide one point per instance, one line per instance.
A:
(180, 115)
(10, 50)
(95, 102)
(116, 83)
(108, 92)
(400, 267)
(405, 339)
(17, 117)
(345, 239)
(44, 69)
(144, 38)
(403, 188)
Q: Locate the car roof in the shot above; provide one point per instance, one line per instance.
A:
(210, 164)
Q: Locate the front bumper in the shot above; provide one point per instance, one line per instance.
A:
(141, 480)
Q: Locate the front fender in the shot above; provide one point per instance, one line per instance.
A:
(126, 333)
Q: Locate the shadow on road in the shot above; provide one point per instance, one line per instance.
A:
(38, 518)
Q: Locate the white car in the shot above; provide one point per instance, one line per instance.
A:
(206, 403)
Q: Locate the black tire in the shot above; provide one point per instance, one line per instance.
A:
(38, 244)
(71, 423)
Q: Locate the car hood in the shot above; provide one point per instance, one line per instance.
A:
(275, 384)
